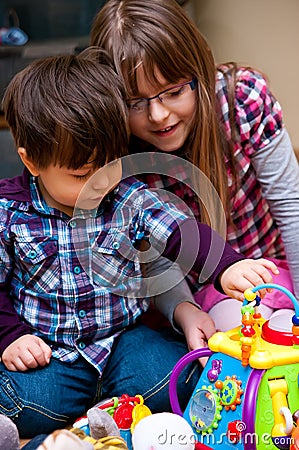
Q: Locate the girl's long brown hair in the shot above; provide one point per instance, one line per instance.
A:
(159, 34)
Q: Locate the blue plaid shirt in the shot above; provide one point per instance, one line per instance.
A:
(75, 282)
(62, 269)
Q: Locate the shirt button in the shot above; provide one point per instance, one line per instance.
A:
(82, 313)
(115, 245)
(77, 270)
(81, 345)
(32, 254)
(73, 224)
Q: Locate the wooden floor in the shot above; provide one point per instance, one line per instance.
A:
(23, 442)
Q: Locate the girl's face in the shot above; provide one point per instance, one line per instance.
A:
(165, 125)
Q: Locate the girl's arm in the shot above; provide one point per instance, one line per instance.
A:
(168, 287)
(177, 304)
(277, 171)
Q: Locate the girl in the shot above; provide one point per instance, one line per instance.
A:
(225, 121)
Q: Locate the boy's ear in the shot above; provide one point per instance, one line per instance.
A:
(27, 162)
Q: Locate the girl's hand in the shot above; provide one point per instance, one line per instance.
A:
(246, 274)
(26, 352)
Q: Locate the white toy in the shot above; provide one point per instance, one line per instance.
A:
(163, 431)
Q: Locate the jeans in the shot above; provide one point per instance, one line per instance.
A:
(42, 400)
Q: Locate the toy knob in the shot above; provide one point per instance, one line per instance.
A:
(249, 295)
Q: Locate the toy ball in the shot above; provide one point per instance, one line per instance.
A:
(163, 431)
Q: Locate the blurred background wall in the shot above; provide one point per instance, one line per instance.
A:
(260, 33)
(54, 19)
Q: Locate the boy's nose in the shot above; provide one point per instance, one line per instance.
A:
(100, 180)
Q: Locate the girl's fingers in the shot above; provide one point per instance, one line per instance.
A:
(269, 265)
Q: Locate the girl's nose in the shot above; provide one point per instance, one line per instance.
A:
(157, 111)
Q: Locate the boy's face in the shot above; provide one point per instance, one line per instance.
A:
(62, 187)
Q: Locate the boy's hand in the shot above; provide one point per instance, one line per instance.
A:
(27, 352)
(196, 325)
(246, 274)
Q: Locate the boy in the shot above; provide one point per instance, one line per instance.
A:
(69, 239)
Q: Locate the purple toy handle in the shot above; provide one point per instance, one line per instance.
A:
(186, 359)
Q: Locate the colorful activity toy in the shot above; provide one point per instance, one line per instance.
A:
(247, 397)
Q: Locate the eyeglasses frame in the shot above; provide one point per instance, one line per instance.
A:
(192, 84)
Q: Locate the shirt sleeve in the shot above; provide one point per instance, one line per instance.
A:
(258, 114)
(195, 246)
(166, 301)
(277, 171)
(11, 327)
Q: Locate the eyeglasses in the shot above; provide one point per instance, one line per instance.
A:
(170, 97)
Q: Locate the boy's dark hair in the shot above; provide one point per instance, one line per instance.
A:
(66, 109)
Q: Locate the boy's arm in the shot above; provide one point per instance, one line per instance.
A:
(196, 246)
(20, 350)
(11, 327)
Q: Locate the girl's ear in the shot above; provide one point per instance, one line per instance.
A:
(31, 166)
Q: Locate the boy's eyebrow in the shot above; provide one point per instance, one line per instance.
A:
(90, 162)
